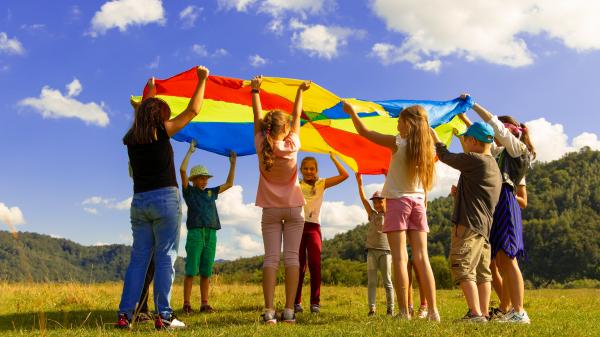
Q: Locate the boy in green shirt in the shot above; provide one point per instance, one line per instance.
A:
(202, 225)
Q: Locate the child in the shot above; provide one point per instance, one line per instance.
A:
(379, 256)
(280, 196)
(202, 225)
(476, 196)
(514, 153)
(423, 310)
(313, 188)
(409, 176)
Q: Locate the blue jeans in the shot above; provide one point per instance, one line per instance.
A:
(155, 223)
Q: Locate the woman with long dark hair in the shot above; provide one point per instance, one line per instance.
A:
(155, 208)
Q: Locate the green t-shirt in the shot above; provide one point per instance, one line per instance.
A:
(202, 209)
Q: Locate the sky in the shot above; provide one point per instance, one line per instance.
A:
(67, 69)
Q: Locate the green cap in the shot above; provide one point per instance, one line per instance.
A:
(199, 170)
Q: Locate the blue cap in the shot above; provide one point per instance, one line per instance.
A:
(480, 131)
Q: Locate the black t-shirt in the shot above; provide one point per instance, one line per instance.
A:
(152, 164)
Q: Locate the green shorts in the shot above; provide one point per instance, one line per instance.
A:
(200, 248)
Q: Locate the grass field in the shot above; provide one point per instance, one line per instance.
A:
(89, 310)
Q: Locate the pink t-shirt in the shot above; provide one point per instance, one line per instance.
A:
(279, 187)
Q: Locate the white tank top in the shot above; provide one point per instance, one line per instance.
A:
(396, 183)
(313, 195)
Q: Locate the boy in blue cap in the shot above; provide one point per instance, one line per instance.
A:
(475, 198)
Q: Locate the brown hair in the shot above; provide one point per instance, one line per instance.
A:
(524, 137)
(310, 158)
(419, 149)
(272, 124)
(148, 118)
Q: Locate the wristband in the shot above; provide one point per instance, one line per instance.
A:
(255, 91)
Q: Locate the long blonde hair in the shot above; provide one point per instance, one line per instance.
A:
(272, 124)
(419, 149)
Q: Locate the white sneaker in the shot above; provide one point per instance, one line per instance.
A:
(171, 323)
(515, 317)
(433, 317)
(269, 317)
(423, 311)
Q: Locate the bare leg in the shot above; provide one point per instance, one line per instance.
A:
(514, 279)
(484, 291)
(418, 242)
(471, 293)
(292, 275)
(187, 289)
(204, 283)
(397, 241)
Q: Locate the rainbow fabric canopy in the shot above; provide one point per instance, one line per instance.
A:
(225, 121)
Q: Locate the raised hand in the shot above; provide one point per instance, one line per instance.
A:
(348, 108)
(193, 144)
(232, 157)
(202, 73)
(305, 85)
(256, 82)
(359, 178)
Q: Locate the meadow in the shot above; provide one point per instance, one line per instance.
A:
(76, 309)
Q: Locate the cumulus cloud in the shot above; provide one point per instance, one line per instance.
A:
(319, 40)
(338, 217)
(551, 142)
(53, 104)
(124, 13)
(10, 45)
(92, 203)
(491, 30)
(257, 60)
(240, 246)
(238, 215)
(189, 15)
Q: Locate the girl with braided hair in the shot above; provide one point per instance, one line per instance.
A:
(277, 143)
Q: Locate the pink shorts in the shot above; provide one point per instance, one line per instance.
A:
(406, 213)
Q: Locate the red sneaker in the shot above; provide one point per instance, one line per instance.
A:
(123, 322)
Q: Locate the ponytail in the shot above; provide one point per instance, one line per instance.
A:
(272, 125)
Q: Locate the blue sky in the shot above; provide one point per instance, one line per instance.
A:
(64, 168)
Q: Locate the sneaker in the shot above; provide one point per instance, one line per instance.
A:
(170, 323)
(470, 318)
(269, 317)
(315, 308)
(298, 308)
(404, 316)
(371, 312)
(123, 322)
(411, 310)
(206, 308)
(496, 314)
(288, 316)
(390, 312)
(144, 317)
(515, 317)
(423, 311)
(433, 317)
(187, 309)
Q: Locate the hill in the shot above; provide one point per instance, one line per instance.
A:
(36, 257)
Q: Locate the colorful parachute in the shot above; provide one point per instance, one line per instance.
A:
(225, 121)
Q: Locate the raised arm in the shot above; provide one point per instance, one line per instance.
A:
(342, 173)
(296, 114)
(256, 106)
(468, 123)
(361, 194)
(184, 165)
(174, 125)
(522, 196)
(151, 93)
(459, 161)
(388, 141)
(231, 175)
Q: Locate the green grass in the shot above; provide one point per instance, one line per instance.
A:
(90, 310)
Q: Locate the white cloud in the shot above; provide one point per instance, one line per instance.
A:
(10, 46)
(123, 13)
(279, 7)
(319, 40)
(233, 212)
(108, 203)
(155, 63)
(491, 30)
(100, 244)
(241, 246)
(446, 176)
(74, 88)
(202, 51)
(53, 104)
(11, 216)
(257, 61)
(189, 15)
(337, 217)
(551, 142)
